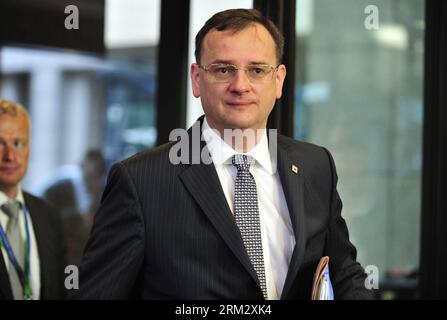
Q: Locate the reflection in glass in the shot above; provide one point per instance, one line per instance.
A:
(359, 93)
(88, 111)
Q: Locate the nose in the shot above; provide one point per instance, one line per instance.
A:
(240, 82)
(9, 154)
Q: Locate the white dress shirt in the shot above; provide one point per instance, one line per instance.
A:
(34, 254)
(278, 239)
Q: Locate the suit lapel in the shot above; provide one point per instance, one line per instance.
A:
(202, 182)
(5, 285)
(292, 180)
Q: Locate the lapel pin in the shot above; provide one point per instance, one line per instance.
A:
(294, 169)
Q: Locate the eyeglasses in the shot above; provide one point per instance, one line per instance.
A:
(256, 73)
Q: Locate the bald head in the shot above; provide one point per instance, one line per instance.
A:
(13, 109)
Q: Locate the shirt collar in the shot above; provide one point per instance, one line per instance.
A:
(221, 152)
(19, 197)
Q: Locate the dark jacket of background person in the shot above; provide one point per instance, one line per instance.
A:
(52, 249)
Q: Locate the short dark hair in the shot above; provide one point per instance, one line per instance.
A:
(95, 157)
(239, 19)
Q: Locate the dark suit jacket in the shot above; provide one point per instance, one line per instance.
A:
(51, 246)
(165, 231)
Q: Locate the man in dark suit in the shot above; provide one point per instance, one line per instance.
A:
(32, 258)
(247, 215)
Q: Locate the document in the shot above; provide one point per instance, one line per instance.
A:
(322, 286)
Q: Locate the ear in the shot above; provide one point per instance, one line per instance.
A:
(195, 79)
(280, 75)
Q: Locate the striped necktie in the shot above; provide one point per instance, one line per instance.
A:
(12, 208)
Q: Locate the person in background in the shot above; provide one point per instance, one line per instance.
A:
(76, 193)
(32, 259)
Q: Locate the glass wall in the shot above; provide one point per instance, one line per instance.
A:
(359, 79)
(88, 111)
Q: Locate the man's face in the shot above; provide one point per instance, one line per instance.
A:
(14, 151)
(238, 103)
